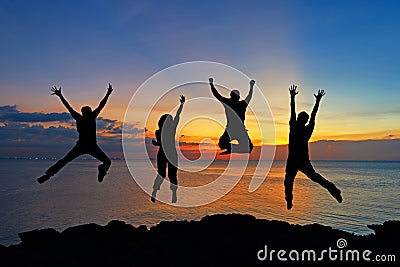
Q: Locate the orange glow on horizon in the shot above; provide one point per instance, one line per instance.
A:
(196, 131)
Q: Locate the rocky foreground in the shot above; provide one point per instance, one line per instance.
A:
(217, 240)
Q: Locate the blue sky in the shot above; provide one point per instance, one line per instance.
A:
(355, 42)
(350, 48)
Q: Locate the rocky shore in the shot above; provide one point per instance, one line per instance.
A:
(216, 240)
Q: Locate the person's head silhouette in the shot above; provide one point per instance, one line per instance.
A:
(302, 118)
(86, 111)
(164, 119)
(235, 95)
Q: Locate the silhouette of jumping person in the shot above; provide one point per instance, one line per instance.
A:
(167, 155)
(298, 158)
(235, 111)
(87, 143)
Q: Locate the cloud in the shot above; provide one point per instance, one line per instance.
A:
(106, 124)
(24, 134)
(12, 114)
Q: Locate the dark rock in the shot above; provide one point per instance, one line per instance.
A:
(389, 229)
(2, 249)
(85, 231)
(39, 236)
(217, 240)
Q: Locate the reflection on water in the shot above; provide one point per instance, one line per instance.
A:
(370, 191)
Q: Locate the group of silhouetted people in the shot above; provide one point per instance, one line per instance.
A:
(167, 158)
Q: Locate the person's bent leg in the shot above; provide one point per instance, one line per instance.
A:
(106, 162)
(290, 175)
(72, 154)
(308, 170)
(224, 142)
(244, 144)
(245, 139)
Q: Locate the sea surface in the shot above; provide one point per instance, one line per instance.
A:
(370, 196)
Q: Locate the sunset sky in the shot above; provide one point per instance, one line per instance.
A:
(349, 48)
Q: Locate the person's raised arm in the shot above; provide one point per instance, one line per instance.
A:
(179, 111)
(214, 91)
(103, 102)
(318, 97)
(293, 93)
(58, 93)
(248, 97)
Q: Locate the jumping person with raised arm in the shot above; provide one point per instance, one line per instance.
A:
(235, 111)
(167, 154)
(87, 143)
(298, 158)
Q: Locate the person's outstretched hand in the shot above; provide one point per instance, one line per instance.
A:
(252, 82)
(56, 91)
(211, 80)
(320, 94)
(292, 90)
(182, 99)
(109, 89)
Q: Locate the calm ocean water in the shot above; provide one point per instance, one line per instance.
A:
(370, 191)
